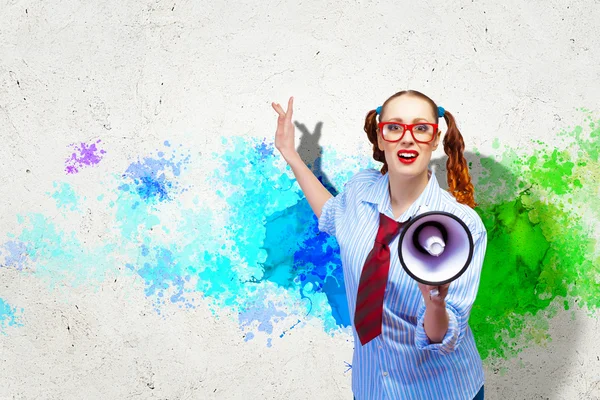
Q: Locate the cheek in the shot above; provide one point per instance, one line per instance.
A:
(425, 153)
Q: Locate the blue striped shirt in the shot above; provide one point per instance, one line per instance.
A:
(402, 363)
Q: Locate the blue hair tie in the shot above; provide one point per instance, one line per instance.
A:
(378, 110)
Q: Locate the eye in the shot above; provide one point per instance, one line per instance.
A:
(394, 127)
(422, 127)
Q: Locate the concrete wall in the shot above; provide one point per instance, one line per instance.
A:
(153, 244)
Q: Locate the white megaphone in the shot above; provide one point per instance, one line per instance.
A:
(435, 248)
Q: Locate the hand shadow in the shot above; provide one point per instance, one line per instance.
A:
(515, 267)
(311, 153)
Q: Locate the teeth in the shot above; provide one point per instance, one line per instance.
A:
(407, 155)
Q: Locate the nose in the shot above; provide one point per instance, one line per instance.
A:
(407, 138)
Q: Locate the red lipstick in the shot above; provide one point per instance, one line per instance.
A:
(407, 156)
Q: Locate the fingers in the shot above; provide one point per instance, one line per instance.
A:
(434, 293)
(277, 107)
(290, 108)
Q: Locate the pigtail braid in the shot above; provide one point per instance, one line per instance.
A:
(371, 130)
(459, 180)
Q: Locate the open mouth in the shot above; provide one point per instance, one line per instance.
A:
(407, 156)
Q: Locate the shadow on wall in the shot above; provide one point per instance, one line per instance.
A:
(508, 314)
(311, 152)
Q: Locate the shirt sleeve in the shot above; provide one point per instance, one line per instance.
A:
(335, 207)
(327, 218)
(459, 301)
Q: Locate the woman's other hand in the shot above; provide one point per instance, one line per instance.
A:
(438, 300)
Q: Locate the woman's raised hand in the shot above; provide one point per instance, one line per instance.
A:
(284, 136)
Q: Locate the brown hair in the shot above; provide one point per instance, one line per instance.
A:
(459, 180)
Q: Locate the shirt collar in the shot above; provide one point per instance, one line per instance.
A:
(379, 195)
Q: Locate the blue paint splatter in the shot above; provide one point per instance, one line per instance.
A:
(347, 365)
(298, 254)
(291, 327)
(15, 254)
(279, 240)
(163, 272)
(264, 150)
(155, 179)
(263, 314)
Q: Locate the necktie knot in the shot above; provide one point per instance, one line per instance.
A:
(388, 229)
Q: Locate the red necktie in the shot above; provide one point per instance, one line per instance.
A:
(373, 279)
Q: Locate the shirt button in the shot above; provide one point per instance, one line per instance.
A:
(381, 347)
(385, 373)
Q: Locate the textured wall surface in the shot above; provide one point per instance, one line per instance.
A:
(153, 243)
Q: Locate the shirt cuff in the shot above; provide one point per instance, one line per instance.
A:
(450, 341)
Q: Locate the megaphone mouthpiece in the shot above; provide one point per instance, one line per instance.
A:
(430, 238)
(435, 248)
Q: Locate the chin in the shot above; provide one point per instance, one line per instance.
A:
(410, 170)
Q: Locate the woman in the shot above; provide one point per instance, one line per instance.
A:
(421, 347)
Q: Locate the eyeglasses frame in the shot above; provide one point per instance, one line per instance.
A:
(408, 127)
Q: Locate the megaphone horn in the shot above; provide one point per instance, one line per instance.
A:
(435, 248)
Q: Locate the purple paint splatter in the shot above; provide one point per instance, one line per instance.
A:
(83, 155)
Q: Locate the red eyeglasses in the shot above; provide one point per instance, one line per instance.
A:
(422, 132)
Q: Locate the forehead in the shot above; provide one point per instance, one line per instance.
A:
(408, 108)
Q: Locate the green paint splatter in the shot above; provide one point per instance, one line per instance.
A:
(541, 252)
(496, 143)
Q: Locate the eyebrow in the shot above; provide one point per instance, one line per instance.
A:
(414, 120)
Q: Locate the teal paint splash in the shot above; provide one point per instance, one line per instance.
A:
(65, 196)
(56, 256)
(9, 316)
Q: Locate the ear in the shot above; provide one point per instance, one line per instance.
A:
(436, 142)
(379, 141)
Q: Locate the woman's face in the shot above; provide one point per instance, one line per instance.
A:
(408, 109)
